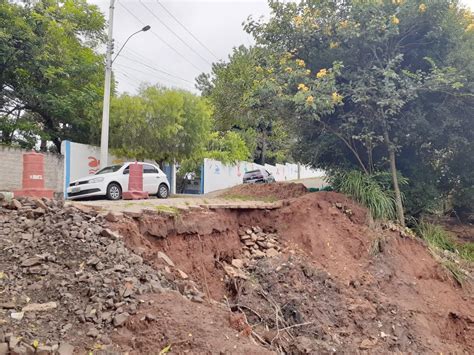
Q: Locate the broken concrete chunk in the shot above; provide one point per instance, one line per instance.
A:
(120, 319)
(113, 217)
(3, 348)
(258, 254)
(238, 263)
(15, 204)
(182, 274)
(110, 234)
(65, 349)
(31, 261)
(17, 315)
(40, 307)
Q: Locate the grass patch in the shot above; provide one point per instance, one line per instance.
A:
(436, 236)
(237, 197)
(466, 251)
(439, 239)
(167, 209)
(366, 190)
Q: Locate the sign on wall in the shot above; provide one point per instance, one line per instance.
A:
(81, 160)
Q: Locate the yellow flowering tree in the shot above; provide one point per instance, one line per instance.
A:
(371, 76)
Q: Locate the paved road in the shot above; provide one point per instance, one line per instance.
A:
(184, 202)
(173, 204)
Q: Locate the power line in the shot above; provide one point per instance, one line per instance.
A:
(148, 74)
(128, 79)
(173, 32)
(176, 35)
(186, 29)
(156, 69)
(161, 39)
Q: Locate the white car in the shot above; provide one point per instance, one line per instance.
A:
(112, 180)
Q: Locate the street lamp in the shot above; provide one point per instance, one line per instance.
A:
(104, 137)
(144, 29)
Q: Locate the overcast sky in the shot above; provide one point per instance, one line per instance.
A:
(215, 23)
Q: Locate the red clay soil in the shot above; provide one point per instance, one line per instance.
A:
(394, 297)
(169, 319)
(277, 190)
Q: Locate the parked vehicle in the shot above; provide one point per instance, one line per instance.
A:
(112, 180)
(258, 176)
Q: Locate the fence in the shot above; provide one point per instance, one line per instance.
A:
(217, 176)
(11, 170)
(82, 159)
(79, 160)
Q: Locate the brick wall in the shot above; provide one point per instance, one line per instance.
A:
(11, 169)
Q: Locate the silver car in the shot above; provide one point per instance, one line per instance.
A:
(258, 176)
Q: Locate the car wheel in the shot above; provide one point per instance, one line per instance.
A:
(114, 191)
(163, 191)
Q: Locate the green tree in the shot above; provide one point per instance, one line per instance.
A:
(51, 77)
(244, 102)
(161, 124)
(356, 76)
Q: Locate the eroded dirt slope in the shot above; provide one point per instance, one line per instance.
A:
(336, 285)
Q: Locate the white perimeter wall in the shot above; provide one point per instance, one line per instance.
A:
(218, 176)
(81, 160)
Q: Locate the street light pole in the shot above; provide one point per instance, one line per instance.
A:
(104, 136)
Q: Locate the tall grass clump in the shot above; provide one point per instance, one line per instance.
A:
(435, 236)
(366, 190)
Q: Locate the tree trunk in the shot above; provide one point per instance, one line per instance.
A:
(396, 188)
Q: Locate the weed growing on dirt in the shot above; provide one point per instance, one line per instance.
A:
(439, 239)
(435, 236)
(167, 209)
(455, 270)
(367, 191)
(466, 251)
(236, 197)
(377, 246)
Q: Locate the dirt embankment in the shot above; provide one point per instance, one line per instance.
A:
(336, 285)
(274, 191)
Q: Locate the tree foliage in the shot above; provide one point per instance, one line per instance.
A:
(160, 124)
(369, 83)
(170, 125)
(243, 101)
(51, 77)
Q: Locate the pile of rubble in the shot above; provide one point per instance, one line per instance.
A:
(257, 243)
(64, 278)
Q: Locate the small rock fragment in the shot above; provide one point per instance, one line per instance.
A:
(165, 258)
(271, 252)
(65, 349)
(120, 319)
(182, 274)
(40, 307)
(17, 315)
(238, 263)
(3, 348)
(15, 204)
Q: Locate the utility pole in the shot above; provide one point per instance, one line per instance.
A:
(104, 137)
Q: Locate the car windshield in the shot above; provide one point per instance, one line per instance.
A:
(109, 169)
(253, 172)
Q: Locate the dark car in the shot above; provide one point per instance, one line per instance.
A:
(258, 176)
